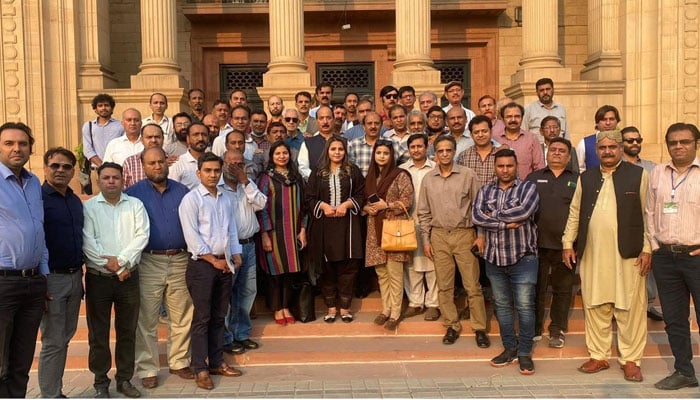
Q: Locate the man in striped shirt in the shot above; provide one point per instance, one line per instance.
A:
(504, 214)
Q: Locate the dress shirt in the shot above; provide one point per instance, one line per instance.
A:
(674, 228)
(646, 164)
(133, 170)
(209, 225)
(63, 225)
(495, 208)
(121, 148)
(484, 169)
(185, 171)
(360, 153)
(446, 202)
(162, 208)
(470, 114)
(529, 151)
(246, 201)
(555, 194)
(96, 144)
(354, 132)
(119, 230)
(347, 125)
(535, 113)
(166, 124)
(295, 142)
(497, 127)
(22, 242)
(581, 152)
(401, 142)
(219, 147)
(176, 148)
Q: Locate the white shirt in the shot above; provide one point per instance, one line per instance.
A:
(119, 230)
(470, 113)
(208, 224)
(219, 147)
(535, 113)
(185, 171)
(246, 201)
(166, 124)
(121, 148)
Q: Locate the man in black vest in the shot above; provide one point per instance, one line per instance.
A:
(607, 222)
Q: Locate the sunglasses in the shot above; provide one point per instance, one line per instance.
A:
(384, 142)
(57, 166)
(634, 140)
(684, 142)
(289, 119)
(391, 96)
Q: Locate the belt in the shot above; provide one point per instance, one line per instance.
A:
(70, 270)
(169, 252)
(109, 275)
(678, 248)
(246, 241)
(219, 256)
(20, 272)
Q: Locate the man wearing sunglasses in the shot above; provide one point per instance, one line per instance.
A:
(631, 147)
(390, 96)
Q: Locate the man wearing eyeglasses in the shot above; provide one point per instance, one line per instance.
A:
(63, 225)
(181, 121)
(631, 147)
(673, 208)
(295, 137)
(550, 128)
(390, 96)
(454, 92)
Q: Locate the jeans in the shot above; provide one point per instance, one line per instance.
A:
(22, 302)
(562, 280)
(514, 285)
(101, 292)
(243, 292)
(677, 279)
(57, 329)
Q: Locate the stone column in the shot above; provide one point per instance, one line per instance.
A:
(604, 56)
(413, 65)
(288, 72)
(159, 67)
(540, 41)
(94, 66)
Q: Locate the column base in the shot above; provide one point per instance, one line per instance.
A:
(96, 76)
(158, 82)
(602, 67)
(421, 80)
(532, 75)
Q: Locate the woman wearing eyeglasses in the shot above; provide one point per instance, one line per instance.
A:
(335, 196)
(388, 189)
(282, 227)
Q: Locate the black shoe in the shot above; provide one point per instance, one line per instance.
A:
(527, 367)
(451, 336)
(505, 358)
(676, 381)
(236, 348)
(128, 390)
(654, 315)
(248, 344)
(482, 339)
(102, 393)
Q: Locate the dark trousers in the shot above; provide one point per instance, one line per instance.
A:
(677, 279)
(337, 282)
(552, 270)
(280, 291)
(101, 292)
(210, 290)
(22, 302)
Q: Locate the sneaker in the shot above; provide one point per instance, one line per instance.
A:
(505, 358)
(527, 367)
(556, 340)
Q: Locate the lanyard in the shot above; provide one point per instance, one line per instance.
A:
(674, 186)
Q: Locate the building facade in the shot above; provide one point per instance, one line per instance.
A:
(641, 56)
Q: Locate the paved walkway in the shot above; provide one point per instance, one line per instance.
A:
(553, 378)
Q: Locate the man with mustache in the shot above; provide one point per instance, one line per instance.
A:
(324, 95)
(181, 121)
(543, 107)
(184, 170)
(524, 143)
(312, 148)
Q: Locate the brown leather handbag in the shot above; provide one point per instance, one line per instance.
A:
(399, 235)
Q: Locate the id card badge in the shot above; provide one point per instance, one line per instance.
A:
(670, 207)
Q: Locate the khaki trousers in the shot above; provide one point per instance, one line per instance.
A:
(449, 246)
(631, 328)
(163, 276)
(390, 277)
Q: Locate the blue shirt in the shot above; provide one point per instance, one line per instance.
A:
(494, 208)
(296, 141)
(96, 136)
(63, 225)
(162, 208)
(22, 242)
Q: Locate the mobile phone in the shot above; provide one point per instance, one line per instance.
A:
(476, 252)
(373, 198)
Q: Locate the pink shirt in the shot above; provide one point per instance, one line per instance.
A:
(528, 150)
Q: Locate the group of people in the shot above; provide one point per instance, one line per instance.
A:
(189, 209)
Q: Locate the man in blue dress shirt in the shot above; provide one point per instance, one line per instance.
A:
(23, 259)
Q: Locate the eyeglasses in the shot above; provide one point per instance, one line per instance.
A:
(57, 166)
(290, 119)
(435, 116)
(684, 142)
(182, 124)
(239, 165)
(634, 140)
(384, 142)
(391, 96)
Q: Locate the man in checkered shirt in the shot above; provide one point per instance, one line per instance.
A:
(360, 149)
